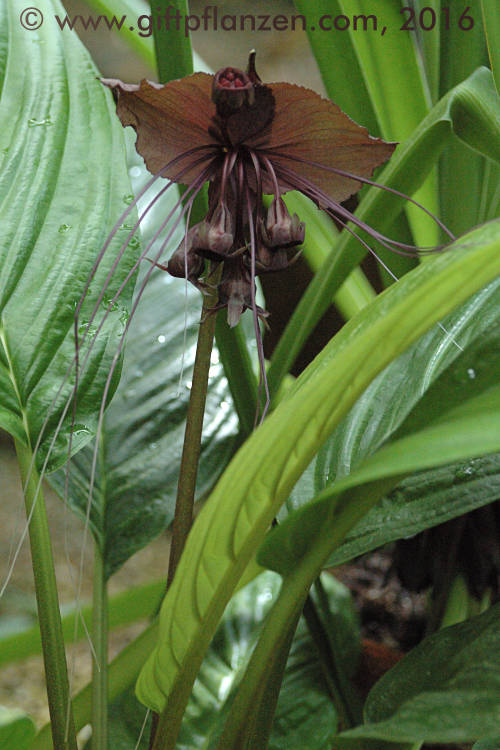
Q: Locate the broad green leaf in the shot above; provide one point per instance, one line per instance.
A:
(460, 358)
(141, 443)
(260, 477)
(461, 172)
(492, 31)
(137, 603)
(57, 205)
(491, 743)
(421, 501)
(405, 172)
(343, 81)
(305, 717)
(16, 729)
(390, 66)
(461, 432)
(446, 690)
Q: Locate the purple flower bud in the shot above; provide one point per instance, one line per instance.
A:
(216, 235)
(184, 258)
(281, 229)
(235, 290)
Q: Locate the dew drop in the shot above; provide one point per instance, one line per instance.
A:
(5, 150)
(134, 243)
(471, 373)
(135, 171)
(64, 228)
(33, 122)
(161, 339)
(466, 471)
(85, 329)
(128, 198)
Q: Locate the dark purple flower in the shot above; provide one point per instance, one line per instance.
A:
(248, 139)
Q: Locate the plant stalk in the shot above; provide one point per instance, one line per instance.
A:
(192, 436)
(184, 506)
(54, 657)
(100, 661)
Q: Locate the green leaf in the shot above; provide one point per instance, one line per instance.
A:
(461, 172)
(446, 690)
(141, 443)
(405, 172)
(174, 58)
(343, 81)
(442, 367)
(259, 478)
(390, 66)
(462, 432)
(129, 606)
(305, 717)
(423, 500)
(490, 21)
(57, 207)
(140, 44)
(491, 743)
(17, 729)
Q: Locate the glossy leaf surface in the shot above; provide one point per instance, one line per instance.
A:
(57, 206)
(260, 477)
(446, 690)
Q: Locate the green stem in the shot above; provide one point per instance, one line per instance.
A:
(56, 675)
(100, 662)
(122, 672)
(345, 700)
(239, 372)
(174, 58)
(192, 437)
(189, 463)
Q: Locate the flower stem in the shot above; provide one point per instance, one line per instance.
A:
(192, 437)
(184, 506)
(100, 662)
(56, 675)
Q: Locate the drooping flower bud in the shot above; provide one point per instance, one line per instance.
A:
(281, 229)
(267, 259)
(235, 290)
(215, 237)
(231, 89)
(184, 260)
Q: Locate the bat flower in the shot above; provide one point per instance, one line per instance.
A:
(248, 139)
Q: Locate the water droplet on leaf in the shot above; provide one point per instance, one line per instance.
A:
(33, 122)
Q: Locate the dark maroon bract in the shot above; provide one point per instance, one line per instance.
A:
(251, 139)
(246, 140)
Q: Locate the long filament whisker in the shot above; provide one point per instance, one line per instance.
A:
(258, 336)
(363, 180)
(393, 275)
(203, 176)
(319, 196)
(75, 359)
